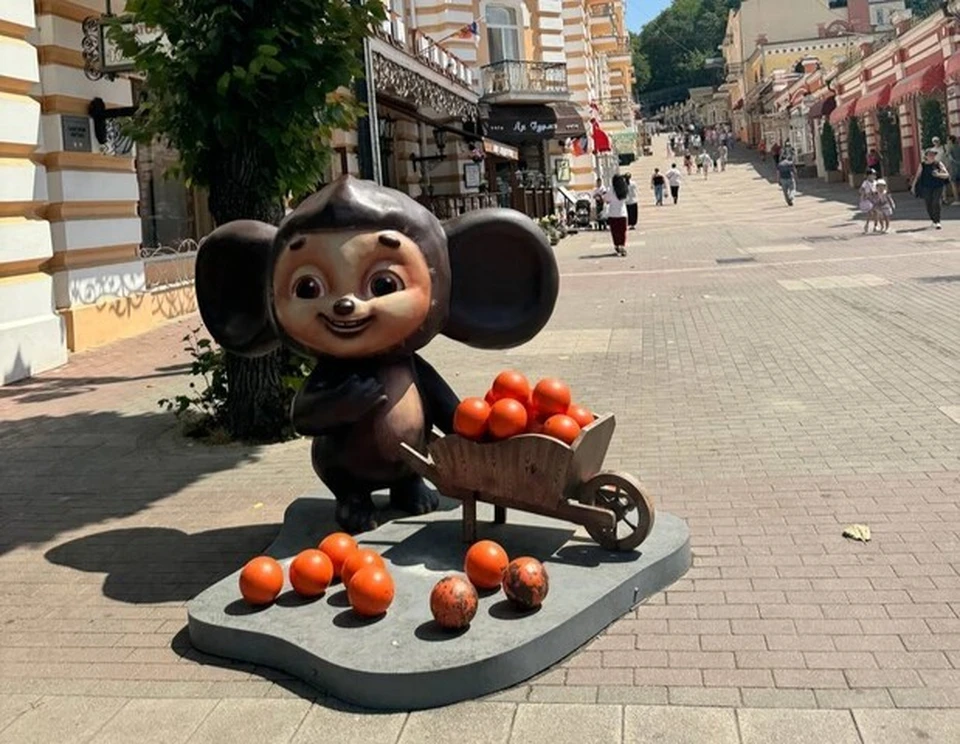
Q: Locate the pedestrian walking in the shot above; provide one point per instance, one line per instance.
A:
(657, 183)
(722, 159)
(762, 147)
(953, 165)
(885, 205)
(688, 162)
(873, 161)
(868, 201)
(674, 178)
(928, 183)
(787, 175)
(616, 200)
(706, 163)
(600, 206)
(775, 152)
(633, 209)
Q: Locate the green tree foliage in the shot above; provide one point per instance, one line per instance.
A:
(857, 142)
(891, 149)
(641, 65)
(247, 93)
(828, 145)
(933, 123)
(677, 43)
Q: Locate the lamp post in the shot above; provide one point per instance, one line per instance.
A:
(440, 137)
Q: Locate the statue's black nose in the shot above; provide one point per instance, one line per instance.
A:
(344, 306)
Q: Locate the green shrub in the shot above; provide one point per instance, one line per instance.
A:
(857, 144)
(828, 145)
(891, 149)
(933, 123)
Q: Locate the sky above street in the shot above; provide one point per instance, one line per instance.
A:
(641, 11)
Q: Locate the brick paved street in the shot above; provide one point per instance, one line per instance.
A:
(776, 376)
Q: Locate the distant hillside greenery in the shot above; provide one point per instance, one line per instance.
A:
(673, 48)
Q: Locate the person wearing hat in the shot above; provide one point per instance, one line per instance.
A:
(868, 200)
(928, 183)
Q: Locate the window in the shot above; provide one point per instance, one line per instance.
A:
(880, 18)
(503, 33)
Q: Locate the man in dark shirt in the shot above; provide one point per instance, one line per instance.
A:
(787, 175)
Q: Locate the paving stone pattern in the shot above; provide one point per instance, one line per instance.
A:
(770, 402)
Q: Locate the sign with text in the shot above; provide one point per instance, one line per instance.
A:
(76, 133)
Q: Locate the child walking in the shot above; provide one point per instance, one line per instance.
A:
(657, 183)
(885, 205)
(868, 201)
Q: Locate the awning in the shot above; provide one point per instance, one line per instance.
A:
(952, 67)
(823, 107)
(876, 100)
(500, 150)
(516, 124)
(925, 81)
(843, 112)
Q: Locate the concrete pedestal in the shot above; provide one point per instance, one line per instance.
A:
(402, 660)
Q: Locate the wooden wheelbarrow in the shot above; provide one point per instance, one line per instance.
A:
(541, 475)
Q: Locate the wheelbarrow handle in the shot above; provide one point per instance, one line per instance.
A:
(421, 464)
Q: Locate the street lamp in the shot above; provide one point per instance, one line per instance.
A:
(440, 137)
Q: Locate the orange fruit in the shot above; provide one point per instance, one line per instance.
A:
(581, 415)
(261, 580)
(562, 427)
(471, 417)
(358, 559)
(511, 384)
(370, 591)
(338, 546)
(534, 425)
(508, 417)
(490, 398)
(525, 582)
(311, 573)
(485, 563)
(551, 396)
(453, 602)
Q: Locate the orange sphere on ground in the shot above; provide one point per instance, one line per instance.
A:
(370, 591)
(311, 573)
(453, 602)
(511, 384)
(261, 580)
(338, 546)
(581, 415)
(562, 427)
(471, 417)
(485, 563)
(525, 582)
(357, 560)
(508, 417)
(551, 396)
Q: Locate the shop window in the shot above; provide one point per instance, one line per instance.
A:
(503, 33)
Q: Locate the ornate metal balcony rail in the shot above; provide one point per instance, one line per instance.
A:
(616, 109)
(604, 10)
(525, 77)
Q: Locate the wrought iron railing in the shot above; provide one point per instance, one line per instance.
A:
(616, 109)
(511, 76)
(604, 10)
(445, 207)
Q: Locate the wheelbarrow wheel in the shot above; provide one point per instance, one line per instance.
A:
(633, 510)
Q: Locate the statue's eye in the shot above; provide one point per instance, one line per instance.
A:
(384, 283)
(308, 288)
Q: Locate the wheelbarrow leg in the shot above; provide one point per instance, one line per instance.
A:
(469, 520)
(499, 515)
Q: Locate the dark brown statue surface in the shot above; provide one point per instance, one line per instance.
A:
(359, 277)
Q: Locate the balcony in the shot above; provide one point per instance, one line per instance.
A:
(617, 109)
(525, 82)
(604, 10)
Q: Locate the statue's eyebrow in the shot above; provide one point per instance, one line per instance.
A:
(297, 243)
(391, 241)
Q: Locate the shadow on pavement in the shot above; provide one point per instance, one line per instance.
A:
(47, 387)
(145, 565)
(61, 474)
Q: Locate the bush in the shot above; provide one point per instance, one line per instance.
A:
(202, 412)
(932, 122)
(857, 144)
(891, 149)
(828, 144)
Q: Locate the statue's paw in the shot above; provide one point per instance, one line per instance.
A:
(355, 516)
(414, 497)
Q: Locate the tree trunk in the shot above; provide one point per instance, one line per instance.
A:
(257, 401)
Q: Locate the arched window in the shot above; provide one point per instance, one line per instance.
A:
(503, 33)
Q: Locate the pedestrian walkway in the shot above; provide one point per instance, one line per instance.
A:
(776, 375)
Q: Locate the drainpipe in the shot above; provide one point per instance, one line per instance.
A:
(368, 134)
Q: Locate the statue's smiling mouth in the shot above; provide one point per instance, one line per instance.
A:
(347, 327)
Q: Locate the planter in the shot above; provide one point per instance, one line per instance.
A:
(832, 177)
(898, 184)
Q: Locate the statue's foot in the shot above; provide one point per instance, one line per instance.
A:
(414, 497)
(356, 514)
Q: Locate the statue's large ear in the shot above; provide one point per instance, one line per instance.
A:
(504, 279)
(233, 269)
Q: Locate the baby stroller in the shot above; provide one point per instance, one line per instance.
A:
(582, 211)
